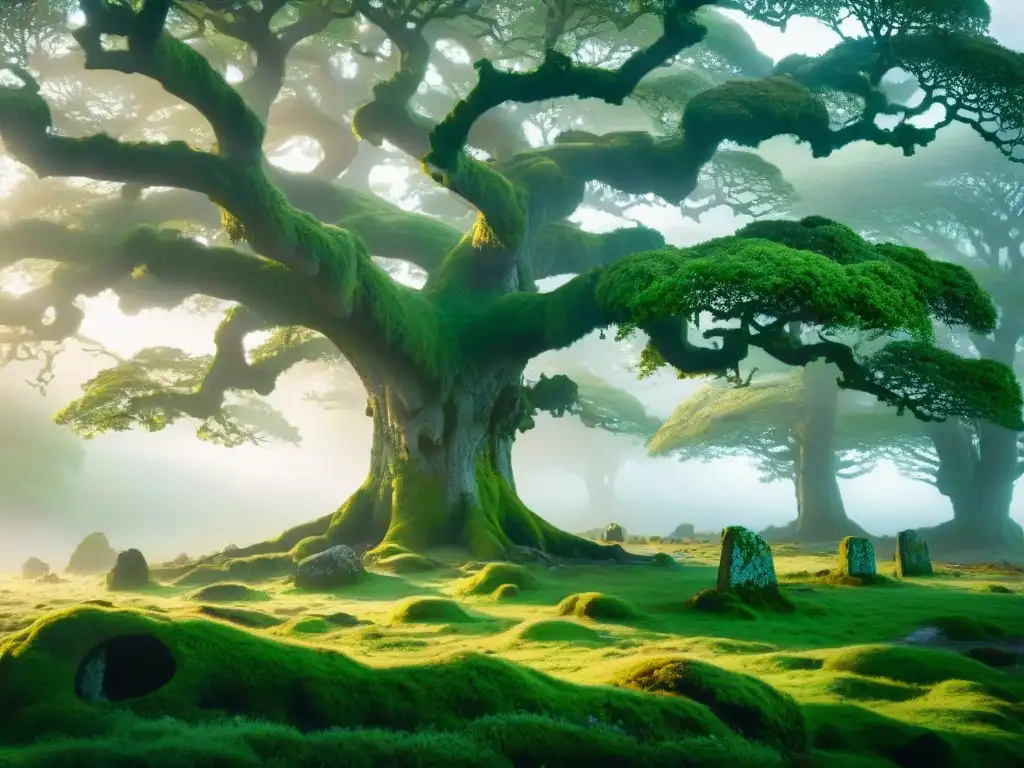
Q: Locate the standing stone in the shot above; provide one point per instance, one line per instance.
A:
(34, 568)
(130, 571)
(746, 561)
(338, 566)
(912, 558)
(856, 557)
(614, 532)
(93, 555)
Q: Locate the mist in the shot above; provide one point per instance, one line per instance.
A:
(168, 492)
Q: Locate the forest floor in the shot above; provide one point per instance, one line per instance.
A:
(417, 670)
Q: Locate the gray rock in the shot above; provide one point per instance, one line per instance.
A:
(912, 557)
(130, 571)
(338, 566)
(93, 555)
(857, 557)
(614, 532)
(34, 568)
(746, 561)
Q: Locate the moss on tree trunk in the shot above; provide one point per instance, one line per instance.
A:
(440, 476)
(821, 513)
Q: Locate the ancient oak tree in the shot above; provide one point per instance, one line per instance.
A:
(443, 366)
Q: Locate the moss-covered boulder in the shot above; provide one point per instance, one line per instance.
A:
(912, 556)
(34, 568)
(749, 706)
(857, 558)
(130, 571)
(70, 673)
(336, 567)
(92, 555)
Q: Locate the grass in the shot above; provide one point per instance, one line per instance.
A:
(587, 665)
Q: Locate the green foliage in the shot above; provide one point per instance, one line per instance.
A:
(953, 386)
(741, 277)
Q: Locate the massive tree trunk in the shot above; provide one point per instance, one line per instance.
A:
(440, 476)
(821, 514)
(978, 477)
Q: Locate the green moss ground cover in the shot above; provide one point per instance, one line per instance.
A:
(429, 670)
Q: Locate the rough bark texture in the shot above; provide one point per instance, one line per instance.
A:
(821, 514)
(440, 476)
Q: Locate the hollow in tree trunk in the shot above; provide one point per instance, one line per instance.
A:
(821, 514)
(440, 476)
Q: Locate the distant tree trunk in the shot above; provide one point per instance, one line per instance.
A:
(978, 477)
(599, 478)
(978, 469)
(821, 514)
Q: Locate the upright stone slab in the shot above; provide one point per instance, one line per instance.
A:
(746, 561)
(912, 558)
(856, 557)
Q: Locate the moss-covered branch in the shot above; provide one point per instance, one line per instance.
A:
(768, 275)
(270, 46)
(503, 203)
(159, 385)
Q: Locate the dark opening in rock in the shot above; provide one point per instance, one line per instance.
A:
(124, 667)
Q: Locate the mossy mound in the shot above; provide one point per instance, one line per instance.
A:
(198, 671)
(914, 666)
(505, 592)
(714, 601)
(994, 657)
(964, 628)
(747, 705)
(494, 575)
(663, 559)
(240, 616)
(999, 589)
(306, 625)
(598, 607)
(558, 631)
(248, 569)
(839, 579)
(341, 619)
(428, 610)
(407, 562)
(228, 593)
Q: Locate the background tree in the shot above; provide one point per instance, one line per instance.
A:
(38, 459)
(798, 427)
(443, 366)
(963, 202)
